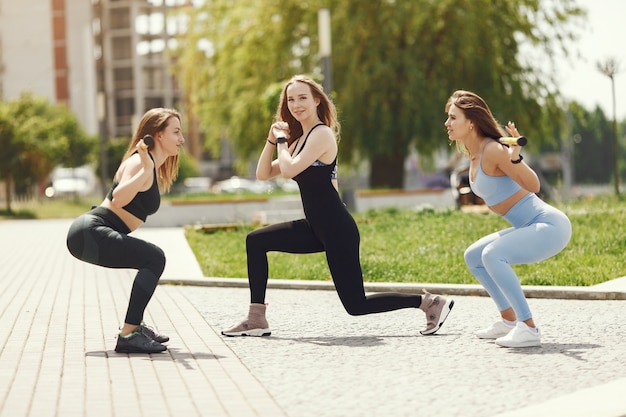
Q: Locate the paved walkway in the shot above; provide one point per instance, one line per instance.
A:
(58, 326)
(58, 321)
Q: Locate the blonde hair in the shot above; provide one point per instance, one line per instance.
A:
(154, 121)
(326, 110)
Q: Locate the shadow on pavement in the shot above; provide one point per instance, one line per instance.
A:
(171, 354)
(349, 341)
(572, 350)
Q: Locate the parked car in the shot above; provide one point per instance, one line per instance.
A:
(71, 182)
(236, 185)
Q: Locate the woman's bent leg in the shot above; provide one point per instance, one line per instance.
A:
(525, 245)
(289, 237)
(93, 240)
(474, 260)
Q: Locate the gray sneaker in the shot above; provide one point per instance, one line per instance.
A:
(152, 333)
(138, 342)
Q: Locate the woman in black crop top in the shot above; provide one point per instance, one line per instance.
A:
(100, 236)
(309, 156)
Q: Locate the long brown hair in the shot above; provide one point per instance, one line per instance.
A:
(476, 109)
(155, 121)
(326, 110)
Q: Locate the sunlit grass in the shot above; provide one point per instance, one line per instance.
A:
(427, 246)
(409, 245)
(49, 208)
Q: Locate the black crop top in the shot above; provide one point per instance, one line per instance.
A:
(144, 203)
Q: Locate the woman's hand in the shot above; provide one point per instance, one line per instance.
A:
(268, 168)
(278, 130)
(146, 161)
(512, 130)
(514, 150)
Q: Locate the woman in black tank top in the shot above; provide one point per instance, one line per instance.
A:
(309, 119)
(100, 236)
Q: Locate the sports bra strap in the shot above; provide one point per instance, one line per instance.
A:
(307, 136)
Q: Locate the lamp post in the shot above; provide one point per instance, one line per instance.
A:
(610, 68)
(323, 22)
(103, 142)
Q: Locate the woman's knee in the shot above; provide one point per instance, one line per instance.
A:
(253, 239)
(354, 306)
(490, 255)
(156, 261)
(472, 256)
(354, 309)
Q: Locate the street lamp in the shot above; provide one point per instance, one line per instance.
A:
(103, 141)
(610, 68)
(323, 23)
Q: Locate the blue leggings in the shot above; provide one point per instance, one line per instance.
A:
(100, 237)
(539, 232)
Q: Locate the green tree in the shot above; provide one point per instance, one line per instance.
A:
(12, 150)
(41, 136)
(395, 63)
(248, 47)
(589, 136)
(593, 145)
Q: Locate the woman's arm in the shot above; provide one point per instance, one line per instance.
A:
(135, 174)
(267, 168)
(519, 172)
(321, 145)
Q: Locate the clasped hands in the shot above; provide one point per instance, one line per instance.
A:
(514, 150)
(278, 130)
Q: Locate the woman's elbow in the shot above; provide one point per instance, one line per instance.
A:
(533, 186)
(115, 203)
(287, 173)
(119, 200)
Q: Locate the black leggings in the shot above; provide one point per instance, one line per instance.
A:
(100, 237)
(342, 254)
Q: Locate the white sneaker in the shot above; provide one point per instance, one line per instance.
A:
(520, 336)
(496, 330)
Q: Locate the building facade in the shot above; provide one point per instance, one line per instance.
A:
(104, 59)
(131, 38)
(46, 48)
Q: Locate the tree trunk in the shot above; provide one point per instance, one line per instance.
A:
(7, 184)
(387, 171)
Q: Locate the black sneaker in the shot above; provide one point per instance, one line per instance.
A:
(152, 334)
(138, 342)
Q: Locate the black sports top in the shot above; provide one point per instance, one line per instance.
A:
(323, 208)
(144, 203)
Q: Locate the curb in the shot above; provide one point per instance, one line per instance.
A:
(565, 293)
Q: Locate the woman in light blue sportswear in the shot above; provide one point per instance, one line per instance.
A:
(507, 185)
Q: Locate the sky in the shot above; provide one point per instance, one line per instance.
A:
(604, 37)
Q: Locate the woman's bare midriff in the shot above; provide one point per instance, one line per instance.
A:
(503, 207)
(131, 221)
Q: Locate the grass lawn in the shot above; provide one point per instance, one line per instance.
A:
(427, 246)
(410, 245)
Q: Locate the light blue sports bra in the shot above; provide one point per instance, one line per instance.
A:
(492, 189)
